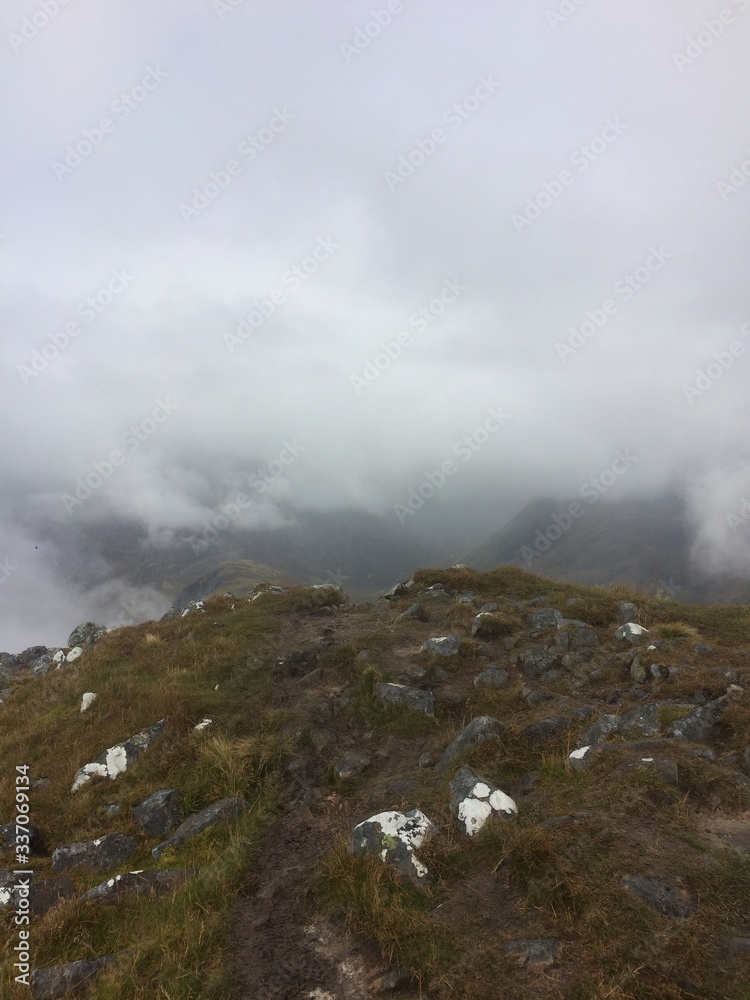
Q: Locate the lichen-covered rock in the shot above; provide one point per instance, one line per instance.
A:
(414, 698)
(698, 725)
(537, 660)
(86, 634)
(474, 801)
(31, 653)
(350, 765)
(631, 632)
(545, 729)
(158, 815)
(488, 625)
(39, 894)
(667, 899)
(12, 835)
(118, 759)
(93, 855)
(492, 678)
(479, 730)
(88, 700)
(394, 837)
(224, 811)
(549, 618)
(140, 883)
(58, 980)
(444, 645)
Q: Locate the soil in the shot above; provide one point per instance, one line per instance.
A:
(284, 948)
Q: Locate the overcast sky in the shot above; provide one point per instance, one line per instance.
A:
(220, 221)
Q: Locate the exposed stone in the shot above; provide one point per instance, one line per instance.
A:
(488, 625)
(667, 899)
(537, 661)
(632, 633)
(10, 832)
(698, 726)
(474, 801)
(534, 954)
(31, 653)
(584, 637)
(88, 700)
(158, 815)
(350, 765)
(479, 730)
(394, 837)
(626, 612)
(224, 811)
(415, 611)
(549, 618)
(86, 634)
(446, 645)
(57, 980)
(545, 729)
(665, 767)
(492, 678)
(414, 698)
(140, 883)
(93, 855)
(118, 759)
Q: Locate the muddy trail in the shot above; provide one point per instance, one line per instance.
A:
(284, 949)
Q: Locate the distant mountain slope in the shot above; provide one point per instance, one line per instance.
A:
(645, 543)
(364, 553)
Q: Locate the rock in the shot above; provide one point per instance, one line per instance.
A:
(57, 980)
(446, 645)
(545, 730)
(31, 653)
(392, 980)
(631, 632)
(491, 606)
(5, 694)
(86, 634)
(224, 811)
(637, 671)
(41, 894)
(350, 765)
(158, 815)
(399, 590)
(698, 726)
(41, 666)
(626, 612)
(583, 637)
(533, 954)
(492, 678)
(415, 611)
(701, 649)
(474, 801)
(118, 759)
(537, 661)
(464, 597)
(414, 698)
(93, 855)
(193, 606)
(10, 832)
(529, 781)
(203, 724)
(542, 601)
(549, 618)
(665, 898)
(487, 625)
(644, 721)
(479, 730)
(88, 700)
(665, 767)
(140, 883)
(394, 837)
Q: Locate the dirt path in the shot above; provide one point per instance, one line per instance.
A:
(283, 949)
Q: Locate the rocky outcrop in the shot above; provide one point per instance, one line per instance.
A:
(117, 759)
